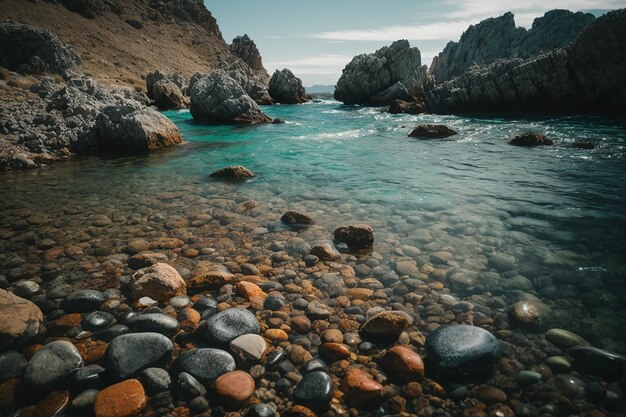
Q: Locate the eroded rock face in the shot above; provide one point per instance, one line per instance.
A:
(219, 99)
(168, 95)
(254, 83)
(132, 126)
(286, 88)
(498, 37)
(29, 50)
(154, 77)
(393, 72)
(245, 48)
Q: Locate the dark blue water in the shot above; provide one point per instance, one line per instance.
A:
(554, 217)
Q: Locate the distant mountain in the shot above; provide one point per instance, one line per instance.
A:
(318, 89)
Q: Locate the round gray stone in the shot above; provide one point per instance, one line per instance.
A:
(12, 365)
(155, 380)
(229, 324)
(98, 320)
(50, 367)
(205, 364)
(155, 322)
(129, 354)
(83, 301)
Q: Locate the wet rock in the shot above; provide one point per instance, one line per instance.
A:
(459, 350)
(84, 401)
(83, 300)
(489, 394)
(530, 139)
(53, 405)
(261, 410)
(559, 364)
(361, 390)
(146, 259)
(407, 107)
(20, 320)
(233, 173)
(432, 132)
(159, 282)
(26, 289)
(248, 347)
(205, 364)
(12, 365)
(315, 390)
(273, 303)
(564, 338)
(51, 366)
(286, 88)
(570, 386)
(323, 253)
(598, 362)
(168, 95)
(155, 322)
(90, 376)
(293, 218)
(129, 354)
(332, 351)
(298, 411)
(125, 399)
(155, 380)
(525, 378)
(218, 98)
(318, 310)
(386, 325)
(98, 320)
(235, 387)
(525, 312)
(187, 387)
(130, 125)
(229, 324)
(583, 145)
(356, 236)
(403, 364)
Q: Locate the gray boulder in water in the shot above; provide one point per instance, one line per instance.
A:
(286, 88)
(29, 50)
(394, 72)
(168, 95)
(219, 99)
(254, 83)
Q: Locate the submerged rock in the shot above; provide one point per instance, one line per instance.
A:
(598, 362)
(159, 282)
(229, 324)
(403, 364)
(233, 173)
(356, 236)
(52, 365)
(286, 88)
(293, 218)
(525, 312)
(386, 325)
(392, 73)
(360, 389)
(204, 364)
(407, 107)
(530, 139)
(20, 320)
(235, 387)
(129, 354)
(315, 390)
(432, 132)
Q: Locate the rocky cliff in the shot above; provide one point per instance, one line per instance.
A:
(498, 38)
(588, 76)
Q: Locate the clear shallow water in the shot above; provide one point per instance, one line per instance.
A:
(521, 223)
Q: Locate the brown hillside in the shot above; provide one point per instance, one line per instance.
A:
(175, 35)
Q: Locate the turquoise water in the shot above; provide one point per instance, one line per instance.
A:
(554, 217)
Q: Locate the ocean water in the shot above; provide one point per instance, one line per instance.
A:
(546, 223)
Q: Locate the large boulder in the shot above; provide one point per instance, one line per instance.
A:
(219, 99)
(152, 78)
(245, 48)
(498, 37)
(394, 72)
(20, 320)
(253, 82)
(168, 95)
(286, 88)
(30, 50)
(132, 126)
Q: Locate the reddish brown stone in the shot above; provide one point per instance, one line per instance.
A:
(413, 389)
(7, 389)
(125, 399)
(235, 387)
(334, 351)
(52, 406)
(402, 363)
(360, 389)
(298, 411)
(301, 324)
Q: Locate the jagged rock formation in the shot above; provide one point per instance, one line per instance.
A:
(286, 88)
(254, 83)
(219, 99)
(167, 95)
(497, 38)
(153, 77)
(393, 72)
(586, 77)
(245, 48)
(30, 50)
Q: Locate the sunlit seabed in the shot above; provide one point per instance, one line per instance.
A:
(557, 213)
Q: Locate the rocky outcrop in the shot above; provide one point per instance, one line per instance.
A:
(432, 132)
(168, 95)
(530, 140)
(29, 50)
(154, 77)
(586, 77)
(233, 173)
(498, 38)
(219, 99)
(407, 107)
(254, 83)
(245, 48)
(135, 127)
(393, 72)
(286, 88)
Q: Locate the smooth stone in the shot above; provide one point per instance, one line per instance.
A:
(98, 320)
(112, 332)
(85, 399)
(26, 289)
(261, 410)
(129, 354)
(125, 399)
(571, 386)
(315, 390)
(199, 405)
(316, 364)
(564, 338)
(20, 320)
(488, 394)
(525, 378)
(502, 262)
(559, 364)
(156, 323)
(235, 387)
(50, 367)
(188, 387)
(598, 362)
(90, 377)
(273, 303)
(402, 363)
(12, 365)
(83, 301)
(227, 325)
(275, 357)
(360, 389)
(159, 282)
(53, 405)
(458, 393)
(387, 325)
(248, 347)
(460, 350)
(205, 364)
(525, 312)
(355, 236)
(155, 380)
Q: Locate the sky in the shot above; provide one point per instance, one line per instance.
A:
(316, 39)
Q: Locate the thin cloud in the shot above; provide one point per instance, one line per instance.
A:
(324, 64)
(488, 8)
(431, 31)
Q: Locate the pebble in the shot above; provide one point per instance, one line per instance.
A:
(83, 301)
(333, 352)
(525, 312)
(12, 365)
(204, 364)
(525, 378)
(360, 389)
(316, 364)
(564, 338)
(125, 399)
(155, 380)
(50, 367)
(248, 347)
(85, 400)
(235, 387)
(570, 386)
(159, 282)
(26, 289)
(261, 410)
(227, 325)
(402, 363)
(315, 390)
(386, 325)
(129, 354)
(90, 377)
(187, 387)
(273, 303)
(458, 350)
(488, 394)
(98, 320)
(156, 323)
